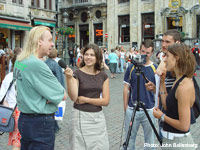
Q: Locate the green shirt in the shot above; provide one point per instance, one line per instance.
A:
(35, 85)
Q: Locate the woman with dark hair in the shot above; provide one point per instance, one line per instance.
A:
(88, 87)
(178, 103)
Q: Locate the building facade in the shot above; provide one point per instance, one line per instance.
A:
(88, 18)
(126, 23)
(17, 17)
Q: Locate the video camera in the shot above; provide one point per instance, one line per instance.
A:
(139, 59)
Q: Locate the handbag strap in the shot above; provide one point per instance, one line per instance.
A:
(11, 83)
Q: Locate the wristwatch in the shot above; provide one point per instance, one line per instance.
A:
(162, 93)
(162, 118)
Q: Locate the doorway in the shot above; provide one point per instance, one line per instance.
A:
(84, 35)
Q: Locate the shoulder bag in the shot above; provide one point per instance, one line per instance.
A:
(7, 122)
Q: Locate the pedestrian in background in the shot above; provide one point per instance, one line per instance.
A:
(122, 60)
(104, 65)
(179, 101)
(88, 88)
(130, 55)
(113, 61)
(54, 67)
(196, 52)
(38, 92)
(17, 51)
(117, 51)
(106, 54)
(80, 58)
(71, 55)
(8, 63)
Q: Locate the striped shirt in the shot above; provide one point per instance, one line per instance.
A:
(169, 81)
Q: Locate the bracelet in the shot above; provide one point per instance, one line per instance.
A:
(162, 118)
(162, 93)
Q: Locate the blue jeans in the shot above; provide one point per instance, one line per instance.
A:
(140, 118)
(37, 132)
(122, 61)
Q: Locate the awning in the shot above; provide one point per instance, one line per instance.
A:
(15, 25)
(44, 23)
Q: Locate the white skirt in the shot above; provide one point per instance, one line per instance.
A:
(87, 131)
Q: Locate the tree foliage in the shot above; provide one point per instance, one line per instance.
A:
(65, 30)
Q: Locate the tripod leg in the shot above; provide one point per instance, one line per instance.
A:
(125, 145)
(151, 123)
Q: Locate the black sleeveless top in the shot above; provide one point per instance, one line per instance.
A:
(172, 108)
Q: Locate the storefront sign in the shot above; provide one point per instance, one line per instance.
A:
(99, 32)
(14, 27)
(49, 24)
(71, 36)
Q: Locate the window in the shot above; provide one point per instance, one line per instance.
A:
(124, 29)
(35, 3)
(71, 16)
(18, 38)
(17, 1)
(20, 1)
(84, 17)
(45, 4)
(98, 14)
(48, 4)
(124, 1)
(148, 26)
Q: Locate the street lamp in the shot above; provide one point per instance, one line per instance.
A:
(65, 21)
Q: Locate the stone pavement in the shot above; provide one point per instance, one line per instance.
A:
(114, 115)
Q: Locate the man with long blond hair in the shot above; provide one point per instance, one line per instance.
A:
(38, 92)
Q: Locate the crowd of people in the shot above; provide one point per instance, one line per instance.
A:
(41, 87)
(116, 61)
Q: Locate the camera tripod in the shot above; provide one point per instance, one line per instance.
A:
(138, 104)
